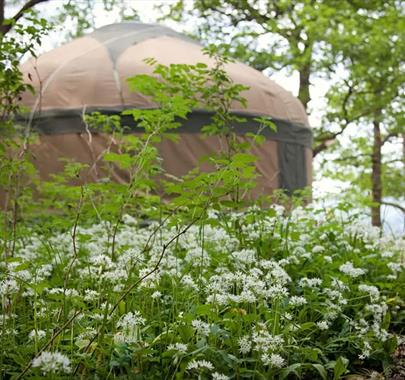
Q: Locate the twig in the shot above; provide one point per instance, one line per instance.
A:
(395, 205)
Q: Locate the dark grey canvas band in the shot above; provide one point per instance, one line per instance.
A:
(71, 121)
(292, 138)
(292, 166)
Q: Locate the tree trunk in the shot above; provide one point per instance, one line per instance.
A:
(1, 14)
(376, 176)
(303, 93)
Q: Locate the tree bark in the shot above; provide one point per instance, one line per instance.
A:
(376, 175)
(1, 13)
(303, 92)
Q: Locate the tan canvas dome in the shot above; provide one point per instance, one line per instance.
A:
(90, 73)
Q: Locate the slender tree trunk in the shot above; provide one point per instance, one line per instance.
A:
(303, 93)
(376, 175)
(1, 14)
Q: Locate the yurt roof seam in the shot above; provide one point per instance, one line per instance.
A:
(116, 46)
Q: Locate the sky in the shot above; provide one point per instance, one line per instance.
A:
(324, 189)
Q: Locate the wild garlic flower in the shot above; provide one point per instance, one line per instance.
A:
(371, 290)
(310, 282)
(101, 260)
(156, 295)
(8, 287)
(199, 364)
(274, 360)
(68, 292)
(91, 295)
(323, 325)
(245, 344)
(318, 249)
(44, 271)
(179, 347)
(366, 351)
(264, 341)
(198, 256)
(189, 282)
(88, 333)
(130, 324)
(276, 292)
(52, 362)
(219, 376)
(277, 275)
(350, 270)
(201, 327)
(297, 300)
(131, 319)
(395, 267)
(36, 334)
(245, 256)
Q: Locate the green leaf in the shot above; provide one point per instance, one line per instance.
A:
(265, 121)
(22, 266)
(340, 367)
(292, 369)
(321, 370)
(124, 160)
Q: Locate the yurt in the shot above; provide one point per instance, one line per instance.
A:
(90, 74)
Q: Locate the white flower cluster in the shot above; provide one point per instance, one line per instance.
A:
(297, 300)
(36, 334)
(201, 327)
(273, 360)
(310, 282)
(179, 347)
(219, 376)
(199, 364)
(371, 290)
(350, 270)
(245, 344)
(264, 341)
(52, 362)
(8, 287)
(225, 270)
(130, 324)
(323, 325)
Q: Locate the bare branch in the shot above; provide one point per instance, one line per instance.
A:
(326, 141)
(395, 205)
(4, 29)
(389, 137)
(352, 158)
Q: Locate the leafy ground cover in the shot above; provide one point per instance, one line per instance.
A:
(264, 293)
(260, 294)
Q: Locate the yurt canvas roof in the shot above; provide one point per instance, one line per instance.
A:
(89, 74)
